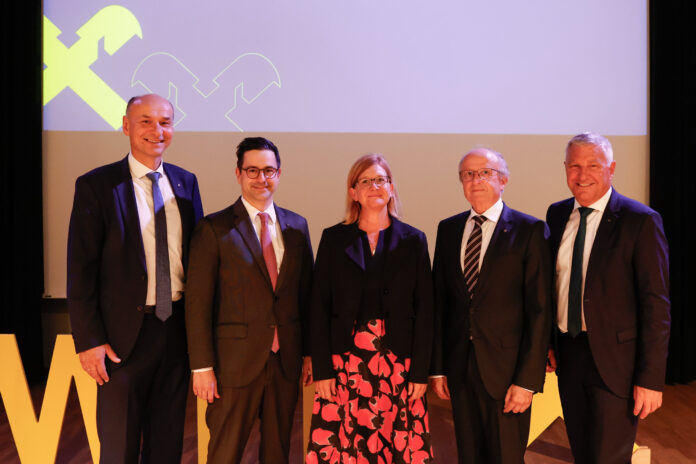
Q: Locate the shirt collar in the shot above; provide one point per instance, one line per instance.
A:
(253, 211)
(491, 214)
(599, 205)
(139, 170)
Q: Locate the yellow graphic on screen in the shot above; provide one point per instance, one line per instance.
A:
(70, 67)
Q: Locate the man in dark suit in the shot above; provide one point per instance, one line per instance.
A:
(248, 288)
(492, 315)
(127, 248)
(612, 306)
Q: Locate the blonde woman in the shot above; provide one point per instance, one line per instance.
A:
(371, 324)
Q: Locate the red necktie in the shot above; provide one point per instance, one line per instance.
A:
(271, 265)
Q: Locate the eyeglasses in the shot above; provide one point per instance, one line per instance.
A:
(253, 172)
(483, 174)
(377, 181)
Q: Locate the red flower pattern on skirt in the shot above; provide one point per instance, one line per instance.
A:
(372, 420)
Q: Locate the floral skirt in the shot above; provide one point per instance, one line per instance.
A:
(372, 420)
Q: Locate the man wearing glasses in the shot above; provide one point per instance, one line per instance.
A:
(492, 279)
(249, 278)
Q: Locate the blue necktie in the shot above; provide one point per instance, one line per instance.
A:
(163, 292)
(575, 288)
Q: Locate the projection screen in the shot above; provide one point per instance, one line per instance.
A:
(328, 81)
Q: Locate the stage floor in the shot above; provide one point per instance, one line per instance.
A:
(670, 433)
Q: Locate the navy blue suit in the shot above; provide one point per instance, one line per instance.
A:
(498, 337)
(107, 286)
(626, 307)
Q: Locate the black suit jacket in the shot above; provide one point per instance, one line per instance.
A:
(231, 307)
(626, 297)
(509, 319)
(107, 276)
(406, 297)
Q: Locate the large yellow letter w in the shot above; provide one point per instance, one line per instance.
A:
(37, 440)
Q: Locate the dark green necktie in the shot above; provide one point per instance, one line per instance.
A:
(575, 288)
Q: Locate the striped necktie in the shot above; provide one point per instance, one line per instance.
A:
(472, 255)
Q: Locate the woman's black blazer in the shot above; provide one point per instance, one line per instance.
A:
(406, 291)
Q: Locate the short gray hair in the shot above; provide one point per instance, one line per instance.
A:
(593, 138)
(477, 151)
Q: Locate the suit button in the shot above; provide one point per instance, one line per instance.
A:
(143, 277)
(386, 291)
(271, 326)
(140, 307)
(471, 337)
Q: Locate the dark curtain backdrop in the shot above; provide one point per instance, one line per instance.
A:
(673, 166)
(21, 282)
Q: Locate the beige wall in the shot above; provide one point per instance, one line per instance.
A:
(314, 169)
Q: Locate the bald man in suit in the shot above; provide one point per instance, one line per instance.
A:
(127, 249)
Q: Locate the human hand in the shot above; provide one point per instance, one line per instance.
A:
(439, 386)
(307, 378)
(551, 363)
(416, 390)
(645, 401)
(205, 385)
(517, 399)
(92, 362)
(326, 388)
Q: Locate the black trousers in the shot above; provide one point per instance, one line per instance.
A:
(601, 425)
(484, 433)
(272, 398)
(145, 397)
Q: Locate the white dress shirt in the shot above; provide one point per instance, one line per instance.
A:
(492, 216)
(565, 256)
(146, 214)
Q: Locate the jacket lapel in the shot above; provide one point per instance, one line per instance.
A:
(393, 255)
(129, 210)
(603, 238)
(246, 230)
(184, 205)
(355, 250)
(456, 258)
(501, 234)
(290, 249)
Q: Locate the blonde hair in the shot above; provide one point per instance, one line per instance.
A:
(360, 166)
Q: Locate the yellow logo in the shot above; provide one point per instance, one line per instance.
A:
(70, 67)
